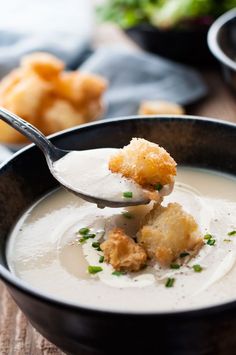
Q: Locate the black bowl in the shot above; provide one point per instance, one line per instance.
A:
(187, 46)
(87, 331)
(222, 43)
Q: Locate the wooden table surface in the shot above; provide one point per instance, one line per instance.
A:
(17, 337)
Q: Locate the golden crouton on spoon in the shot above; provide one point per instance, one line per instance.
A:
(148, 164)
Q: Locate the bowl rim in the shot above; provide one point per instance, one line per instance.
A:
(20, 285)
(212, 38)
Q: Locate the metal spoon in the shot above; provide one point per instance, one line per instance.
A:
(53, 154)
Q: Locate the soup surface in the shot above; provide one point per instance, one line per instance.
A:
(44, 250)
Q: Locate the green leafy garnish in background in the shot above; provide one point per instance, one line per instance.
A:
(160, 13)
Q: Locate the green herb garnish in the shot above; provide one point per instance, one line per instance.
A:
(128, 194)
(197, 268)
(227, 240)
(169, 282)
(82, 240)
(90, 235)
(232, 233)
(182, 255)
(211, 242)
(84, 231)
(101, 259)
(94, 269)
(158, 186)
(118, 273)
(174, 266)
(127, 215)
(86, 237)
(208, 236)
(96, 245)
(163, 14)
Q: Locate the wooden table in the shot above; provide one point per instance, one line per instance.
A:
(17, 337)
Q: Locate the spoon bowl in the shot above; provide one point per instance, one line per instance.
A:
(54, 154)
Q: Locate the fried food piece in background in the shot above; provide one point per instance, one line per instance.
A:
(52, 100)
(54, 116)
(169, 231)
(122, 252)
(84, 91)
(23, 98)
(9, 81)
(160, 108)
(44, 64)
(146, 163)
(9, 135)
(79, 87)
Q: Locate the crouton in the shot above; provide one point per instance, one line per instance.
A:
(168, 232)
(49, 98)
(122, 252)
(44, 64)
(54, 116)
(80, 88)
(25, 96)
(148, 164)
(160, 108)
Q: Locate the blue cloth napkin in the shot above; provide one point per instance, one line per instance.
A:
(136, 76)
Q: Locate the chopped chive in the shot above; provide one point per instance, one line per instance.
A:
(84, 231)
(211, 242)
(208, 236)
(128, 194)
(232, 233)
(227, 240)
(127, 215)
(174, 266)
(169, 282)
(182, 255)
(94, 269)
(197, 268)
(101, 259)
(158, 186)
(96, 245)
(118, 273)
(86, 237)
(91, 235)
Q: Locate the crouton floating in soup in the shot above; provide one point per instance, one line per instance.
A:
(122, 252)
(168, 232)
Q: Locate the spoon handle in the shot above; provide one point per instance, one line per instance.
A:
(29, 131)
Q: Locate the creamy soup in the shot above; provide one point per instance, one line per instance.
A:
(44, 250)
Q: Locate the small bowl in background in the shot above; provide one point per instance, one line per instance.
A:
(187, 46)
(222, 44)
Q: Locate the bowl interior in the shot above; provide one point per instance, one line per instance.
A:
(190, 140)
(79, 330)
(227, 39)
